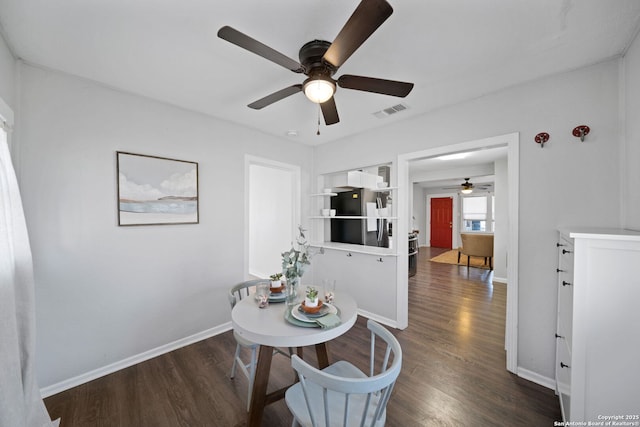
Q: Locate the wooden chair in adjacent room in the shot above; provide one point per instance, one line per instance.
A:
(343, 395)
(477, 245)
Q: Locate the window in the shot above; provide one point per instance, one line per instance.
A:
(477, 213)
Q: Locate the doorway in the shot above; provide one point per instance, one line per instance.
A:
(511, 141)
(272, 206)
(441, 222)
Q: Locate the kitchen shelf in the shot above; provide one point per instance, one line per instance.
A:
(353, 217)
(375, 190)
(383, 189)
(323, 194)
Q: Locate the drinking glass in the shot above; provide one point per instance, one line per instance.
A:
(328, 289)
(262, 294)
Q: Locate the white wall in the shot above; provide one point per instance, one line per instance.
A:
(7, 74)
(631, 156)
(106, 293)
(557, 183)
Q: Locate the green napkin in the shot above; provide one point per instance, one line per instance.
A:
(328, 321)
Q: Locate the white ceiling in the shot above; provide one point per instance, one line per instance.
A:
(437, 174)
(453, 50)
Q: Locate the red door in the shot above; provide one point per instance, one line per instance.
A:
(441, 222)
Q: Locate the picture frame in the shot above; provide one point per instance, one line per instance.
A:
(155, 190)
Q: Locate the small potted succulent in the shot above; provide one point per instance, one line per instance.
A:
(276, 280)
(311, 300)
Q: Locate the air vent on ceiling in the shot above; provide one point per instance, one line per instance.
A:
(389, 111)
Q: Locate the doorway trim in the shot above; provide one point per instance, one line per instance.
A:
(295, 198)
(512, 141)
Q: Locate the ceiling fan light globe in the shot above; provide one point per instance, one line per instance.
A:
(466, 190)
(319, 90)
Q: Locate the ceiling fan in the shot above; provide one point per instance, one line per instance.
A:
(467, 187)
(319, 61)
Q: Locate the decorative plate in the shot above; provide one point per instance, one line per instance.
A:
(297, 313)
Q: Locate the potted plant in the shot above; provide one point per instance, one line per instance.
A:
(311, 300)
(276, 280)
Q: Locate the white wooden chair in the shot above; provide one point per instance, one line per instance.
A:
(343, 395)
(237, 293)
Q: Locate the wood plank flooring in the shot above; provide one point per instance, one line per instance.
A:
(453, 370)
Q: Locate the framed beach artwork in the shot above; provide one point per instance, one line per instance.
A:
(155, 190)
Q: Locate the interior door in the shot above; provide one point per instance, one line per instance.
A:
(441, 222)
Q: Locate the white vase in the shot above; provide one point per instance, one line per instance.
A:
(311, 302)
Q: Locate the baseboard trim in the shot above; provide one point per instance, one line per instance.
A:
(380, 319)
(500, 279)
(133, 360)
(537, 378)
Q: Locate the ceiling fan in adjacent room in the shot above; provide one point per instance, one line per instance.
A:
(319, 61)
(467, 187)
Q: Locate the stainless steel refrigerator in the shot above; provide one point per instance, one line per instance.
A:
(359, 202)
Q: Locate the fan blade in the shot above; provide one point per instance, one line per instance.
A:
(370, 84)
(244, 41)
(366, 19)
(275, 96)
(330, 112)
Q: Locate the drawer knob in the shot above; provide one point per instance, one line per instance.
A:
(564, 251)
(558, 245)
(559, 271)
(349, 254)
(565, 283)
(564, 365)
(559, 336)
(380, 259)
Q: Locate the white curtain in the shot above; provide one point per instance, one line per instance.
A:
(21, 404)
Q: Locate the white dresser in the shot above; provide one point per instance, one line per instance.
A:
(598, 325)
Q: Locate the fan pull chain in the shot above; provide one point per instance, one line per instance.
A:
(318, 133)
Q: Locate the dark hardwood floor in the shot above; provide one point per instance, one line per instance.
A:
(453, 370)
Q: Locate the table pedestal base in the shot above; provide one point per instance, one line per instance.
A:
(259, 396)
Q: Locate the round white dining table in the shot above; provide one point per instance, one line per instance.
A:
(269, 328)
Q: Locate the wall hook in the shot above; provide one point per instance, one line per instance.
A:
(581, 131)
(541, 138)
